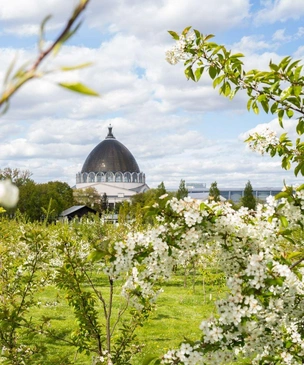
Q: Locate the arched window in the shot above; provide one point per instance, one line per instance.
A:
(140, 177)
(118, 177)
(127, 177)
(84, 177)
(98, 177)
(91, 177)
(134, 177)
(109, 177)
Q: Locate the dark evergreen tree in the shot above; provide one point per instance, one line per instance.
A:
(161, 190)
(248, 200)
(104, 202)
(214, 193)
(182, 191)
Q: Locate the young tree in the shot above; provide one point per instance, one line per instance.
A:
(182, 191)
(214, 193)
(248, 200)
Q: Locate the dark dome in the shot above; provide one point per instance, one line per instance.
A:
(110, 155)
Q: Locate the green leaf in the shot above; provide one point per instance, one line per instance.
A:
(79, 88)
(297, 73)
(265, 106)
(249, 104)
(274, 108)
(186, 30)
(174, 35)
(212, 72)
(274, 87)
(283, 137)
(273, 66)
(76, 67)
(285, 93)
(209, 36)
(237, 55)
(255, 107)
(299, 188)
(66, 37)
(5, 107)
(96, 255)
(292, 255)
(282, 194)
(297, 90)
(284, 63)
(226, 88)
(198, 73)
(9, 70)
(218, 80)
(280, 116)
(289, 113)
(41, 34)
(300, 127)
(189, 73)
(298, 169)
(197, 33)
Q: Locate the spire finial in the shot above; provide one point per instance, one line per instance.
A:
(110, 134)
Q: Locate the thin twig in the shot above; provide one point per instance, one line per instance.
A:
(32, 73)
(296, 263)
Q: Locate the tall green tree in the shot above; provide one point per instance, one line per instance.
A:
(182, 191)
(248, 200)
(214, 193)
(104, 202)
(36, 199)
(161, 189)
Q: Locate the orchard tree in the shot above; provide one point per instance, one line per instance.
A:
(248, 200)
(278, 91)
(214, 193)
(182, 191)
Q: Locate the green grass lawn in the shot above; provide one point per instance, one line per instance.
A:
(178, 313)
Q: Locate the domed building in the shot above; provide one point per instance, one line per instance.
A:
(112, 169)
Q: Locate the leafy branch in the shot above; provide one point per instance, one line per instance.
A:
(277, 91)
(12, 83)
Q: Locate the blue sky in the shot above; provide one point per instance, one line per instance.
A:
(176, 129)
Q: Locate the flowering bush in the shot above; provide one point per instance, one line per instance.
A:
(261, 318)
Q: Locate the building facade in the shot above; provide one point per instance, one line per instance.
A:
(111, 169)
(199, 191)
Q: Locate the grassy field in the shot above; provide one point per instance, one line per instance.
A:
(178, 313)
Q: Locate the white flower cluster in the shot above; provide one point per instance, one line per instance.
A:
(177, 53)
(265, 294)
(260, 141)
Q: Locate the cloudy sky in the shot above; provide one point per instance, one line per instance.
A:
(176, 129)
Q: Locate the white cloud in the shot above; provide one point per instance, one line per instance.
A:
(280, 35)
(280, 10)
(250, 44)
(160, 116)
